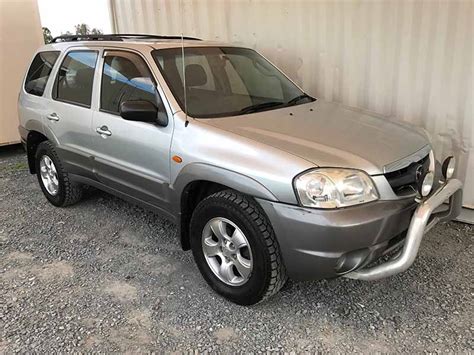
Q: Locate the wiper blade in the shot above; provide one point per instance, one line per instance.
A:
(261, 106)
(299, 98)
(269, 104)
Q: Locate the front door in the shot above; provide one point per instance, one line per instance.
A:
(131, 157)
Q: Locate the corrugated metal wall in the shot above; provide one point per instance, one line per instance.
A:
(412, 60)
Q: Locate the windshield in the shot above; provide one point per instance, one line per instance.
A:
(226, 81)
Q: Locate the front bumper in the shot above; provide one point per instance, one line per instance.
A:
(317, 244)
(422, 221)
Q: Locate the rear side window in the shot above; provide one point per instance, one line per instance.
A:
(125, 77)
(39, 72)
(75, 78)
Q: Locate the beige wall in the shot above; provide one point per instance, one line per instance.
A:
(20, 36)
(409, 60)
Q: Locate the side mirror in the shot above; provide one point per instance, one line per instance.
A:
(143, 111)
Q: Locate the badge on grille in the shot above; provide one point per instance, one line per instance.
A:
(418, 172)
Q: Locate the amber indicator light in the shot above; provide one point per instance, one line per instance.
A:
(177, 159)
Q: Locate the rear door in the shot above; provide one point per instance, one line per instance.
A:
(69, 114)
(131, 157)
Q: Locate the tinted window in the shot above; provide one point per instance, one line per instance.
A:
(75, 78)
(39, 71)
(125, 77)
(225, 81)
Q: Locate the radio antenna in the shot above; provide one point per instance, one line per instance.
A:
(186, 122)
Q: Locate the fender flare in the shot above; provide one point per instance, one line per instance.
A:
(31, 129)
(234, 180)
(40, 127)
(195, 172)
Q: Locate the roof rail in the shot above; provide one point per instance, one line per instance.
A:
(115, 37)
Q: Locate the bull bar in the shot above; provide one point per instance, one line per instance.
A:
(424, 218)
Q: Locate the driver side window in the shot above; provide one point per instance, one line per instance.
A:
(125, 77)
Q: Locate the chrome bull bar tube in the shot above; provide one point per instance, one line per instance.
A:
(419, 225)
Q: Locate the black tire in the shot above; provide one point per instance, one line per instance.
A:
(269, 274)
(69, 192)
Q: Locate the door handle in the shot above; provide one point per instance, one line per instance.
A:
(103, 131)
(53, 117)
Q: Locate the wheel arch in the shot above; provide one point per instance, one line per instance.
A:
(37, 133)
(33, 140)
(197, 181)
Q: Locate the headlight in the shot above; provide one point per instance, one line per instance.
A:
(334, 188)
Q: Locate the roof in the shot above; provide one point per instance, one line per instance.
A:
(131, 41)
(137, 45)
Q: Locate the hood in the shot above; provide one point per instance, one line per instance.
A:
(329, 135)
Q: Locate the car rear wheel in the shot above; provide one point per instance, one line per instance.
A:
(235, 248)
(53, 179)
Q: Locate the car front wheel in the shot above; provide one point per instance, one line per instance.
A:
(235, 248)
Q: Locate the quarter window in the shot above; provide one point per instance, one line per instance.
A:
(75, 78)
(125, 77)
(39, 72)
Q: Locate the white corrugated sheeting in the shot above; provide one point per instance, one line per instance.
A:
(409, 60)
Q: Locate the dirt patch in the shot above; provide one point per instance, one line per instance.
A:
(122, 291)
(19, 257)
(159, 265)
(92, 341)
(129, 238)
(54, 271)
(3, 238)
(224, 335)
(130, 341)
(140, 318)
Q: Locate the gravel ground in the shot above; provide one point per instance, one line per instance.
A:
(104, 275)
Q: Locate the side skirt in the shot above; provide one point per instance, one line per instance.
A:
(87, 181)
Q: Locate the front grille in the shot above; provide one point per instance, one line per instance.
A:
(404, 181)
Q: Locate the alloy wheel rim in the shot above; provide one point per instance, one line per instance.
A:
(49, 175)
(227, 251)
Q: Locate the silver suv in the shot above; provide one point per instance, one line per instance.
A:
(264, 181)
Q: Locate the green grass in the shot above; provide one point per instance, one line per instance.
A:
(14, 167)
